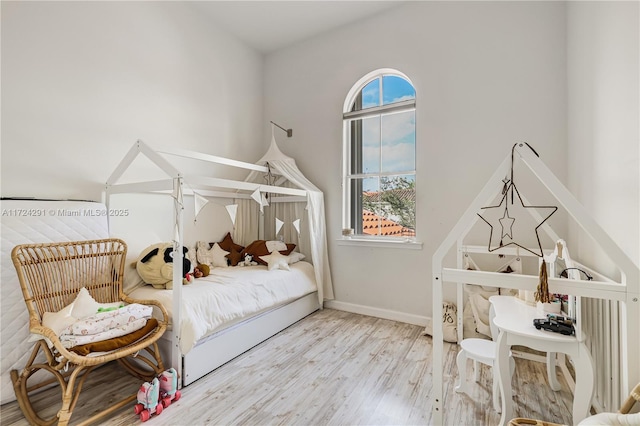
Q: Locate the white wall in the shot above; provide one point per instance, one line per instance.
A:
(604, 122)
(82, 81)
(487, 74)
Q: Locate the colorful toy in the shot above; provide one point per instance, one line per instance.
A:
(148, 400)
(169, 387)
(156, 395)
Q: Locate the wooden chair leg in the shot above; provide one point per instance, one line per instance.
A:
(23, 390)
(152, 359)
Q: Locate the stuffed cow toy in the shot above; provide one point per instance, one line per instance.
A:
(155, 266)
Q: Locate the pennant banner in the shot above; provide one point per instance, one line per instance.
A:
(296, 224)
(232, 209)
(279, 224)
(256, 196)
(200, 202)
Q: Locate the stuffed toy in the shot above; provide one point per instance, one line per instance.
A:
(201, 270)
(155, 266)
(248, 261)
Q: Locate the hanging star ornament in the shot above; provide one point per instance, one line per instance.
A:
(505, 222)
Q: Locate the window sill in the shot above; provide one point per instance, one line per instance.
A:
(373, 242)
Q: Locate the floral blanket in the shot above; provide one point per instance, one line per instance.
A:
(106, 325)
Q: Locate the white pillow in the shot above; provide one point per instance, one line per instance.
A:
(58, 321)
(219, 256)
(295, 256)
(275, 246)
(276, 260)
(215, 256)
(84, 305)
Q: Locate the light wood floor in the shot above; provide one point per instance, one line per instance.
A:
(331, 368)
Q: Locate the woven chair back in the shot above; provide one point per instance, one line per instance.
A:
(52, 274)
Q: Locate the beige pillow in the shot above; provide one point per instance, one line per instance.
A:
(215, 256)
(276, 260)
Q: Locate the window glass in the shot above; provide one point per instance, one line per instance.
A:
(370, 145)
(398, 142)
(396, 89)
(371, 94)
(380, 180)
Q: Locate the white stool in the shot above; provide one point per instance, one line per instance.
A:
(480, 351)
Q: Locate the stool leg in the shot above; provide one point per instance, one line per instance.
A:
(461, 362)
(496, 392)
(476, 371)
(512, 365)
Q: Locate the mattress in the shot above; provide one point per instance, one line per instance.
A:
(229, 295)
(35, 221)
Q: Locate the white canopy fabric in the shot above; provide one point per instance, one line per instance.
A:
(285, 166)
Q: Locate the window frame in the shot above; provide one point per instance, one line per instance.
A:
(349, 221)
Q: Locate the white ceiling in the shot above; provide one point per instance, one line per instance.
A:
(270, 25)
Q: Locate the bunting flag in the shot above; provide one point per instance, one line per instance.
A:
(279, 224)
(260, 198)
(232, 209)
(199, 202)
(256, 196)
(296, 224)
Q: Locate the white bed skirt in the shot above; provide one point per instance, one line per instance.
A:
(226, 344)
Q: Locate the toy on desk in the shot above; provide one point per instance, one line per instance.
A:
(555, 323)
(148, 400)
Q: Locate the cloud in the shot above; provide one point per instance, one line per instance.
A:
(371, 94)
(397, 128)
(399, 157)
(398, 143)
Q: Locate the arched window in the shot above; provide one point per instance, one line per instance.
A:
(379, 157)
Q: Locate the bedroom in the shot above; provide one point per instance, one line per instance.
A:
(486, 75)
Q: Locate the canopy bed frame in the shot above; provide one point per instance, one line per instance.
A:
(232, 341)
(626, 291)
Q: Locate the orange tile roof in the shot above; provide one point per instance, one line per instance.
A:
(372, 224)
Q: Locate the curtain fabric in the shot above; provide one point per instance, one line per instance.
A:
(315, 212)
(247, 222)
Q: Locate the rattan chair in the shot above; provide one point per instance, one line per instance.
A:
(51, 275)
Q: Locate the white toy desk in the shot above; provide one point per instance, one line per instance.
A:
(514, 318)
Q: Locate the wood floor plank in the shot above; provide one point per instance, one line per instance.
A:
(331, 368)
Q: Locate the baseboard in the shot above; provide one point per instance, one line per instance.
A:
(377, 312)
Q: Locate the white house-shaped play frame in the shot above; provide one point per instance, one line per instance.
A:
(627, 291)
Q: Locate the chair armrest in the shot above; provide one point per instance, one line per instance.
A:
(36, 327)
(634, 396)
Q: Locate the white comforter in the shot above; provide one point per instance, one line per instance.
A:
(230, 294)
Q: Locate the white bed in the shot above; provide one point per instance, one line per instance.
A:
(230, 295)
(233, 318)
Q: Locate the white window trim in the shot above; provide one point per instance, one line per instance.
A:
(365, 240)
(380, 242)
